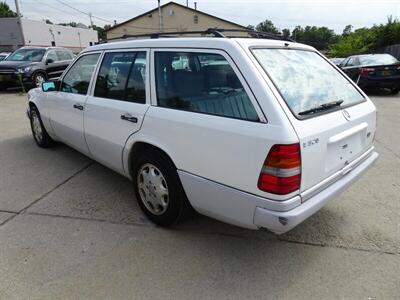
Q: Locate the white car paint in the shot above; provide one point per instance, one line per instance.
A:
(219, 159)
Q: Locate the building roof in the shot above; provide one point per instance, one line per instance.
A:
(183, 6)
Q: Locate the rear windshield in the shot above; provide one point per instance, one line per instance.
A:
(377, 59)
(305, 80)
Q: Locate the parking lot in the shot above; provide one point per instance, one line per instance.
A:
(70, 228)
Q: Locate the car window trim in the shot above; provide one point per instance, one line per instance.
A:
(100, 62)
(261, 117)
(72, 64)
(275, 86)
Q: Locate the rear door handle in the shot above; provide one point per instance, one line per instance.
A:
(78, 106)
(129, 117)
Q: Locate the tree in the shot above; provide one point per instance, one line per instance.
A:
(101, 31)
(72, 24)
(367, 39)
(347, 30)
(267, 26)
(250, 27)
(318, 37)
(286, 33)
(6, 12)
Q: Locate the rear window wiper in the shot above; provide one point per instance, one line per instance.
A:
(321, 107)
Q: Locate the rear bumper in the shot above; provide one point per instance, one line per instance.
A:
(250, 211)
(388, 82)
(281, 222)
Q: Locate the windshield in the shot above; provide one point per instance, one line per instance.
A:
(377, 59)
(33, 55)
(305, 80)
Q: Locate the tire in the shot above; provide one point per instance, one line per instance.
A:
(3, 87)
(394, 91)
(39, 133)
(38, 78)
(158, 189)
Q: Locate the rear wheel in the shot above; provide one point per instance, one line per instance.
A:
(39, 133)
(158, 189)
(394, 91)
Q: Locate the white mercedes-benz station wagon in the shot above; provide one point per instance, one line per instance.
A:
(255, 132)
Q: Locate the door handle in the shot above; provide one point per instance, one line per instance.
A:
(129, 117)
(78, 106)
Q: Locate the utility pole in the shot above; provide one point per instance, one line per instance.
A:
(17, 8)
(91, 21)
(20, 23)
(159, 13)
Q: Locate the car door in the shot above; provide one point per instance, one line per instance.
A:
(52, 64)
(117, 105)
(67, 105)
(65, 58)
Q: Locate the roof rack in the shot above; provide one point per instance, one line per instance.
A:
(215, 32)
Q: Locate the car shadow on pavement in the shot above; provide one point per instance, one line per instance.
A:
(60, 181)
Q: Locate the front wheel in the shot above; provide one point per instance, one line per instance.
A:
(39, 133)
(38, 79)
(158, 189)
(394, 91)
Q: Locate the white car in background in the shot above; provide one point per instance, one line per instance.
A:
(263, 138)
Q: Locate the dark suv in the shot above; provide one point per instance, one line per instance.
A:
(33, 65)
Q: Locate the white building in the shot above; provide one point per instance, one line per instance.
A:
(14, 34)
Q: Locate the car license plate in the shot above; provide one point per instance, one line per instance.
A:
(386, 73)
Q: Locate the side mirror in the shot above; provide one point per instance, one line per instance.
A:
(51, 86)
(49, 61)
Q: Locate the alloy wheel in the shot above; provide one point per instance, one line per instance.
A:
(153, 189)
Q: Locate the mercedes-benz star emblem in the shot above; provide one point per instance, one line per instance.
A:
(346, 115)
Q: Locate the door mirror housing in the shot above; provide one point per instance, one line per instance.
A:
(51, 86)
(49, 61)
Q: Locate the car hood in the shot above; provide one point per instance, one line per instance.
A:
(7, 64)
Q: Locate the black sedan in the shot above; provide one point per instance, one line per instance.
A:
(31, 66)
(373, 70)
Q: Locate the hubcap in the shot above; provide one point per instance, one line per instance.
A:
(36, 127)
(153, 189)
(39, 79)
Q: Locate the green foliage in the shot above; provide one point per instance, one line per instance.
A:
(102, 31)
(286, 33)
(72, 24)
(267, 26)
(367, 39)
(318, 37)
(6, 12)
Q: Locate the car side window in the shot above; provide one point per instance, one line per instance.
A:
(51, 54)
(63, 55)
(122, 76)
(351, 62)
(203, 83)
(77, 79)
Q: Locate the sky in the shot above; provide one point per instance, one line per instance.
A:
(283, 13)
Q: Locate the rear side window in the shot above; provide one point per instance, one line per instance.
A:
(201, 82)
(305, 80)
(122, 77)
(64, 55)
(77, 80)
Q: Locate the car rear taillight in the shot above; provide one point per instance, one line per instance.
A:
(366, 71)
(281, 172)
